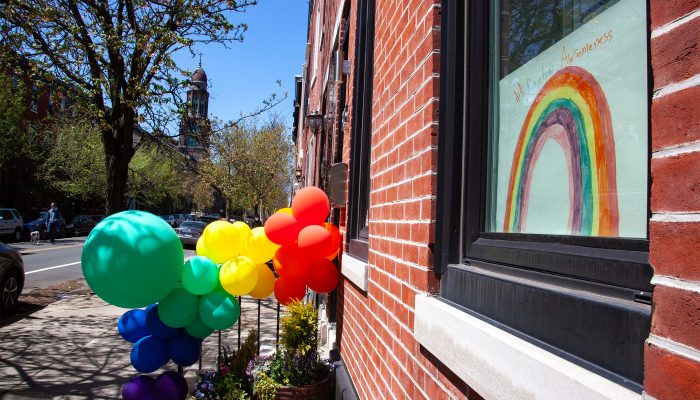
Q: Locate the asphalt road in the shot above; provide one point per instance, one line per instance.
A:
(49, 264)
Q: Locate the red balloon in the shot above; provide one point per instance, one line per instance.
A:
(316, 241)
(323, 277)
(287, 290)
(310, 206)
(291, 262)
(281, 228)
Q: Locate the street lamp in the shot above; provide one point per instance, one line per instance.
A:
(314, 120)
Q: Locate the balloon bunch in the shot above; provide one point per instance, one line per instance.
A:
(156, 342)
(307, 246)
(168, 385)
(134, 259)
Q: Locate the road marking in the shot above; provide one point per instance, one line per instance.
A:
(46, 269)
(31, 250)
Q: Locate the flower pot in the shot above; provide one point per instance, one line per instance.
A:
(317, 391)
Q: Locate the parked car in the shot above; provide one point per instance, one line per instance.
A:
(11, 223)
(169, 219)
(82, 224)
(208, 218)
(11, 278)
(39, 224)
(190, 231)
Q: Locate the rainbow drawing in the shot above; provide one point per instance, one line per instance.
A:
(572, 110)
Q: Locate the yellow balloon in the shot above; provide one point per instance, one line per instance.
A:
(266, 282)
(259, 248)
(238, 276)
(243, 230)
(201, 251)
(221, 240)
(286, 210)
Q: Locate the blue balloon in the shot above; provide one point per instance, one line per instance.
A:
(183, 349)
(149, 354)
(171, 386)
(156, 327)
(140, 387)
(132, 325)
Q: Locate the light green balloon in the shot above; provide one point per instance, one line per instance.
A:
(132, 259)
(218, 309)
(200, 275)
(179, 308)
(198, 328)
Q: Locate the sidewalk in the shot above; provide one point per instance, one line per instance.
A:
(71, 350)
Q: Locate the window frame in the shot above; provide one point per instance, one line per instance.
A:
(615, 269)
(361, 132)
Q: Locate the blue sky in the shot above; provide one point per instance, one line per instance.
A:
(245, 74)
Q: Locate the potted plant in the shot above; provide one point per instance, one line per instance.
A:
(230, 382)
(295, 371)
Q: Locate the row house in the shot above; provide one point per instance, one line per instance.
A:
(517, 186)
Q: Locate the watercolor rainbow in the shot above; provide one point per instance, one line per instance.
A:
(572, 110)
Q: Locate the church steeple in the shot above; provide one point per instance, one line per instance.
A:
(194, 128)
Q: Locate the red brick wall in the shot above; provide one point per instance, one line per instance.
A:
(672, 355)
(375, 327)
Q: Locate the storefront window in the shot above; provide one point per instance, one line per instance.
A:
(568, 147)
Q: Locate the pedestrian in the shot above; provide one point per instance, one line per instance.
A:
(52, 218)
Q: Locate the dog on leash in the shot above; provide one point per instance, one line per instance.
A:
(34, 236)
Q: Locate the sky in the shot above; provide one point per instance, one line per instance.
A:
(245, 74)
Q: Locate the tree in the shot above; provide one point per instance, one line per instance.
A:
(250, 164)
(13, 137)
(118, 54)
(75, 165)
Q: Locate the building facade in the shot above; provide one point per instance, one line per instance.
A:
(482, 259)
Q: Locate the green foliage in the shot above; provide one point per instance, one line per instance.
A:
(245, 354)
(266, 388)
(75, 164)
(300, 328)
(13, 138)
(250, 164)
(154, 175)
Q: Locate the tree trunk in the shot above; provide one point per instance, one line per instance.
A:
(119, 149)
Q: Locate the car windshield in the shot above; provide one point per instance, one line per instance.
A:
(193, 225)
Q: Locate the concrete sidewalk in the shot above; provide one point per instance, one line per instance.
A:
(71, 349)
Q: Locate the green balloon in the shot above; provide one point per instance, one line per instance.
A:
(198, 328)
(200, 275)
(179, 308)
(218, 309)
(132, 259)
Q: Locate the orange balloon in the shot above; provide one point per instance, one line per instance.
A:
(335, 234)
(310, 206)
(291, 262)
(316, 241)
(288, 290)
(281, 228)
(323, 276)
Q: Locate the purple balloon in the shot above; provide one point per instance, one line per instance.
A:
(140, 387)
(171, 386)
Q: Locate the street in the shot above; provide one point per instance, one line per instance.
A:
(50, 264)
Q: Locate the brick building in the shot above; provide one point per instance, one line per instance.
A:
(481, 259)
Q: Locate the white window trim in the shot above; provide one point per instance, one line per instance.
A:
(499, 365)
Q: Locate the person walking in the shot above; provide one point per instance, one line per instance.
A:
(52, 218)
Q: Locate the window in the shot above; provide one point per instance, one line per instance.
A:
(542, 180)
(360, 142)
(191, 142)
